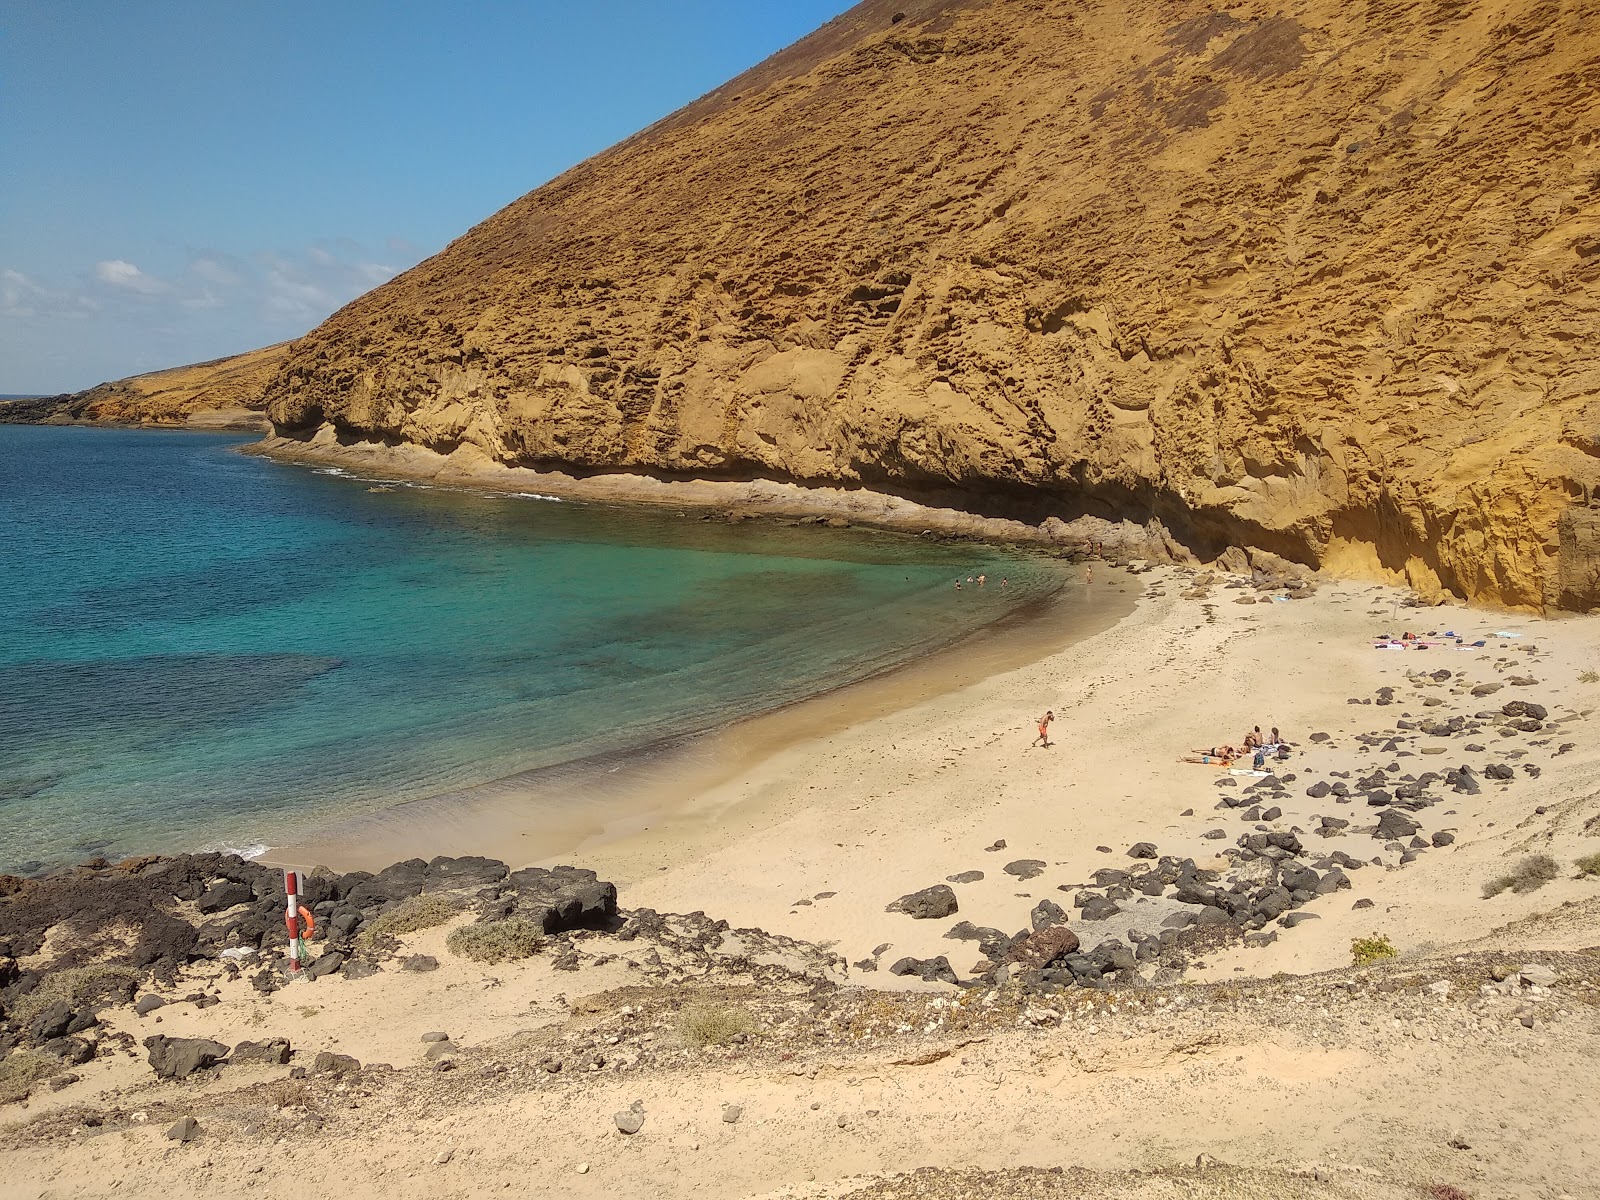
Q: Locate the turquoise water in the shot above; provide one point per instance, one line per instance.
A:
(199, 648)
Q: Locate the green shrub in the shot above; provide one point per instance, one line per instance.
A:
(713, 1024)
(411, 915)
(76, 986)
(1589, 864)
(20, 1070)
(496, 941)
(1529, 875)
(1371, 949)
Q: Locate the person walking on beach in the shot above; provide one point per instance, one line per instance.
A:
(1044, 730)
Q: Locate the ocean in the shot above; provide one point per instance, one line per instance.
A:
(202, 649)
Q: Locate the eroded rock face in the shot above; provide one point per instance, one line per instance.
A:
(225, 393)
(1323, 283)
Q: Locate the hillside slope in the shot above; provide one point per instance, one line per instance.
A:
(1320, 278)
(225, 393)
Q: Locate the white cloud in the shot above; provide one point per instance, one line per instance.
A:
(211, 268)
(23, 297)
(123, 274)
(201, 304)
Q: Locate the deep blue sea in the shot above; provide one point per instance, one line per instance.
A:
(200, 648)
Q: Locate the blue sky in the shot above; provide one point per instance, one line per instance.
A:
(185, 179)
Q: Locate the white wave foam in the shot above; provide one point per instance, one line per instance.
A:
(248, 850)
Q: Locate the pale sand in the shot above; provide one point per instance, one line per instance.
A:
(557, 813)
(900, 801)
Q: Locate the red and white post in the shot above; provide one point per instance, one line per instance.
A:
(291, 916)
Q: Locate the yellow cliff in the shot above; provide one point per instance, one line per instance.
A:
(1320, 279)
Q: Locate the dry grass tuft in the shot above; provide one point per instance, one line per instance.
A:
(714, 1024)
(411, 915)
(1529, 875)
(76, 986)
(292, 1093)
(20, 1070)
(496, 941)
(1589, 864)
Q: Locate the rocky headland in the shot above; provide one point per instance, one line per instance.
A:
(1315, 280)
(225, 393)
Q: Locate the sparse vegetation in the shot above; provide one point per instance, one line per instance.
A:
(1529, 875)
(76, 986)
(713, 1024)
(20, 1070)
(1589, 677)
(496, 941)
(293, 1093)
(1367, 950)
(1447, 1191)
(1589, 864)
(411, 915)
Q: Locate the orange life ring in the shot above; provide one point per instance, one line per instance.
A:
(310, 921)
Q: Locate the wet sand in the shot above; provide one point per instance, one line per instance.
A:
(570, 810)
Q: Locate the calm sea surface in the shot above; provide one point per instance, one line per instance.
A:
(198, 648)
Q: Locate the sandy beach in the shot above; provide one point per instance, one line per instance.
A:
(1359, 1082)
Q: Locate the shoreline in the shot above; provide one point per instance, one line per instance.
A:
(582, 804)
(775, 906)
(469, 467)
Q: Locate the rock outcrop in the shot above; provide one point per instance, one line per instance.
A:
(226, 393)
(1321, 279)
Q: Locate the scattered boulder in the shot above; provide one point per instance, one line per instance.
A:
(562, 898)
(929, 970)
(325, 964)
(964, 877)
(1099, 908)
(183, 1129)
(629, 1121)
(928, 904)
(1047, 913)
(419, 963)
(1394, 825)
(178, 1058)
(1044, 948)
(222, 896)
(148, 1004)
(1025, 868)
(272, 1052)
(329, 1063)
(1142, 850)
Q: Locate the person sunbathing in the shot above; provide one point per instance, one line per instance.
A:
(1208, 759)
